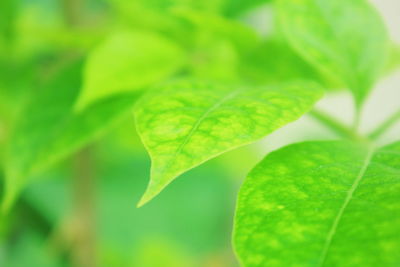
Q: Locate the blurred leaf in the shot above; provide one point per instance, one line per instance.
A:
(274, 61)
(30, 250)
(238, 7)
(32, 25)
(217, 44)
(139, 16)
(48, 129)
(201, 225)
(394, 58)
(161, 253)
(8, 11)
(215, 59)
(321, 204)
(345, 40)
(185, 123)
(128, 61)
(218, 27)
(165, 5)
(159, 15)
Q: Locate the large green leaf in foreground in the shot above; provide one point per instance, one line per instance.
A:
(128, 61)
(321, 204)
(184, 123)
(345, 40)
(49, 129)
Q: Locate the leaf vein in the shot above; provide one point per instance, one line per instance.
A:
(342, 209)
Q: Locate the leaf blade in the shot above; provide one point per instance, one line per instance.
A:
(126, 62)
(331, 35)
(311, 204)
(186, 123)
(48, 129)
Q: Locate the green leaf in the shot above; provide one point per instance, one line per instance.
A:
(394, 58)
(215, 58)
(140, 15)
(237, 7)
(273, 61)
(166, 5)
(186, 122)
(321, 204)
(49, 129)
(216, 26)
(345, 40)
(128, 61)
(217, 44)
(8, 11)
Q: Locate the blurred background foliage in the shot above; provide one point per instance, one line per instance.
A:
(57, 223)
(60, 221)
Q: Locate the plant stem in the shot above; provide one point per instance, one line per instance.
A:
(357, 119)
(84, 210)
(389, 122)
(84, 217)
(336, 126)
(72, 12)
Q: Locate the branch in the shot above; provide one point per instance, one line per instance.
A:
(389, 122)
(84, 214)
(336, 126)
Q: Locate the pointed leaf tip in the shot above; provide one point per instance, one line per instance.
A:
(146, 197)
(152, 190)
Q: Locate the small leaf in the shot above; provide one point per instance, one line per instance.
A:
(48, 129)
(185, 123)
(345, 40)
(321, 204)
(128, 61)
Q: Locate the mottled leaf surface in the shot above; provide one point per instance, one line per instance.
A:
(128, 61)
(346, 40)
(184, 123)
(321, 204)
(49, 129)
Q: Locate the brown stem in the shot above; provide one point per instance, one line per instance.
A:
(79, 230)
(72, 11)
(84, 216)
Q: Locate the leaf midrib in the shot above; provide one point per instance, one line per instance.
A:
(342, 209)
(198, 123)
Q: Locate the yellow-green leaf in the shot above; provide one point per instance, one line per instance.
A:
(186, 122)
(128, 61)
(321, 204)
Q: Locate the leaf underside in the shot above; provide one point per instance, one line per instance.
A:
(321, 204)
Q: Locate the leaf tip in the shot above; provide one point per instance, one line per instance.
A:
(152, 190)
(147, 197)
